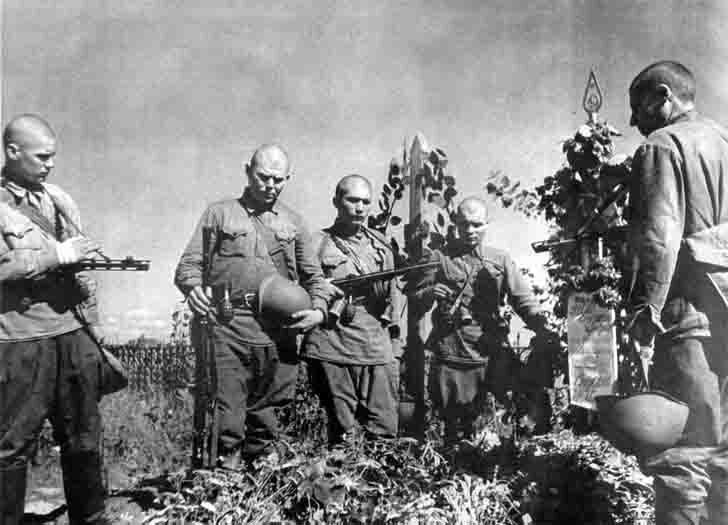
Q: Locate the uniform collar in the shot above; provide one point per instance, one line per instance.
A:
(252, 207)
(18, 191)
(341, 230)
(691, 114)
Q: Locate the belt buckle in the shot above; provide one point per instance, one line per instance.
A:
(249, 300)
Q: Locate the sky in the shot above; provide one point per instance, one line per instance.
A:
(158, 104)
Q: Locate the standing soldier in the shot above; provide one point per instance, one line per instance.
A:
(49, 365)
(469, 337)
(353, 366)
(249, 239)
(679, 233)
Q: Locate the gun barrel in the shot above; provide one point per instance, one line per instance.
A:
(382, 276)
(611, 233)
(127, 264)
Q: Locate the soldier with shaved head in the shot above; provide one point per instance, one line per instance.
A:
(49, 363)
(246, 240)
(354, 364)
(679, 231)
(469, 338)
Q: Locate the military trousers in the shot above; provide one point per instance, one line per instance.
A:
(366, 394)
(458, 393)
(691, 479)
(254, 382)
(56, 378)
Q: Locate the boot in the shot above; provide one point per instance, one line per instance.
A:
(84, 488)
(717, 504)
(12, 494)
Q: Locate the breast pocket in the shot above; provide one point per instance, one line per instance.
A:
(237, 242)
(20, 236)
(334, 265)
(284, 243)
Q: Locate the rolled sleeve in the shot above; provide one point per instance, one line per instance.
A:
(190, 269)
(309, 270)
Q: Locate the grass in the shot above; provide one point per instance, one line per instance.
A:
(496, 478)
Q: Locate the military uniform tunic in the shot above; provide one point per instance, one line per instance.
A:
(49, 366)
(256, 361)
(471, 352)
(352, 363)
(679, 195)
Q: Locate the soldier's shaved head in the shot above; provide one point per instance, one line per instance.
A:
(666, 72)
(659, 94)
(270, 157)
(267, 174)
(353, 201)
(471, 221)
(349, 181)
(30, 149)
(473, 206)
(25, 128)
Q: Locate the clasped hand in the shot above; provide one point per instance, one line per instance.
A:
(75, 249)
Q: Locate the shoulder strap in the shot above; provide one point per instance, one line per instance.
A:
(62, 213)
(353, 257)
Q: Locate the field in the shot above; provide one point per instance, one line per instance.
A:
(500, 477)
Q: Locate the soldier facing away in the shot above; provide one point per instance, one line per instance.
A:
(250, 238)
(469, 338)
(49, 364)
(679, 230)
(352, 361)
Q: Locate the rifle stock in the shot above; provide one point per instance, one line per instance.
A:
(205, 420)
(206, 417)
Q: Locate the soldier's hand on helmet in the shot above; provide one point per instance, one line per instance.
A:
(442, 292)
(199, 301)
(305, 320)
(74, 249)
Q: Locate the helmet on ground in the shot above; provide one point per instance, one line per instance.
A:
(279, 297)
(643, 424)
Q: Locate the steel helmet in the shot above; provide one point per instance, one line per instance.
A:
(279, 297)
(643, 424)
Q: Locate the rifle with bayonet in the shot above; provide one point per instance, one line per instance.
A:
(206, 416)
(342, 308)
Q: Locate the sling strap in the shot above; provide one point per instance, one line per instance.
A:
(34, 214)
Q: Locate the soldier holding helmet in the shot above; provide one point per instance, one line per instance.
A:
(250, 238)
(679, 230)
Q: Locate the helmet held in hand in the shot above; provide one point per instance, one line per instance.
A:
(279, 298)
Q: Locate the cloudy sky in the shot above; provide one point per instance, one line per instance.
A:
(157, 103)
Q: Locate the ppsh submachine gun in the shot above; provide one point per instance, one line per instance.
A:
(343, 309)
(128, 263)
